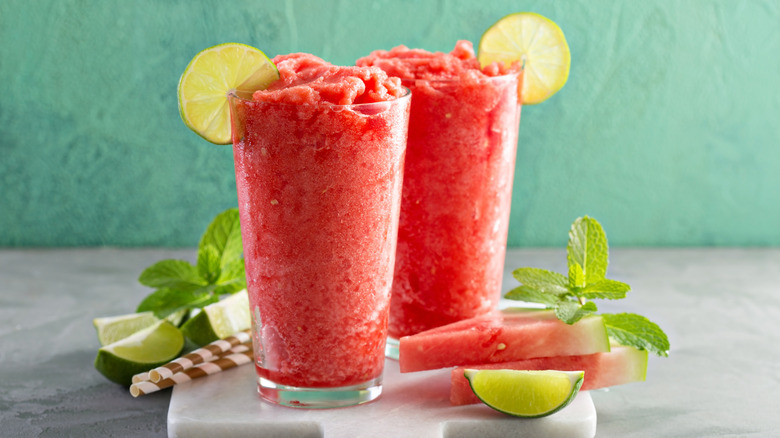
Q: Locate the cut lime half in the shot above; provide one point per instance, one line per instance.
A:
(529, 394)
(139, 352)
(212, 73)
(538, 43)
(219, 320)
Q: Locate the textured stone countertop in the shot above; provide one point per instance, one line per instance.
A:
(720, 308)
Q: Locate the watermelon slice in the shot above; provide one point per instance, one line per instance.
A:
(619, 366)
(501, 336)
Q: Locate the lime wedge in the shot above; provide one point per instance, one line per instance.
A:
(219, 320)
(114, 328)
(527, 394)
(176, 318)
(535, 41)
(208, 78)
(139, 352)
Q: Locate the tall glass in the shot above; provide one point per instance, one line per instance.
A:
(456, 199)
(319, 190)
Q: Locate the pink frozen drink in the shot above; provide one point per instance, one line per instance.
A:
(319, 164)
(457, 185)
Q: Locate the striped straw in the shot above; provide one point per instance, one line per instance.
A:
(223, 363)
(143, 377)
(200, 355)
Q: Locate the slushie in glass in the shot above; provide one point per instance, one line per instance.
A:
(319, 164)
(457, 189)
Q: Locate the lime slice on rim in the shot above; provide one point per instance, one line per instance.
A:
(538, 43)
(219, 320)
(114, 328)
(211, 74)
(149, 348)
(527, 394)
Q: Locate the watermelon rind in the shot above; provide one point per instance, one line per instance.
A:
(620, 366)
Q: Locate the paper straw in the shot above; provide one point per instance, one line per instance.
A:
(223, 363)
(141, 377)
(198, 356)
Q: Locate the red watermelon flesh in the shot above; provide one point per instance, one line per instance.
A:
(501, 336)
(619, 366)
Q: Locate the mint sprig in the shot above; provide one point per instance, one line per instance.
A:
(181, 285)
(587, 256)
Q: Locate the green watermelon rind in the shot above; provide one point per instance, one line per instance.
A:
(625, 365)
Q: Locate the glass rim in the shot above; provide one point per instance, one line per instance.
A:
(246, 96)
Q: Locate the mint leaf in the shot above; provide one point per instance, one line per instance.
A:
(219, 271)
(232, 278)
(605, 289)
(172, 274)
(586, 252)
(637, 331)
(572, 311)
(224, 234)
(542, 280)
(530, 294)
(587, 256)
(209, 263)
(164, 302)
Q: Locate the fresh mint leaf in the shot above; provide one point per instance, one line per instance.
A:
(530, 294)
(605, 289)
(172, 274)
(164, 302)
(587, 256)
(542, 280)
(229, 288)
(224, 234)
(219, 271)
(232, 278)
(637, 331)
(572, 311)
(209, 263)
(586, 253)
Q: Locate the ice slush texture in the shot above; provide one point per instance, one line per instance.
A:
(319, 196)
(307, 79)
(457, 185)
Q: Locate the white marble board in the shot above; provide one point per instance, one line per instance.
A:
(415, 405)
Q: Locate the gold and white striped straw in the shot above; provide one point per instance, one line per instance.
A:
(198, 356)
(228, 361)
(143, 377)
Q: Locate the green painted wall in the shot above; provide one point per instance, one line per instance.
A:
(668, 131)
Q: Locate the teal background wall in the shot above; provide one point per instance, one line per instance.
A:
(668, 130)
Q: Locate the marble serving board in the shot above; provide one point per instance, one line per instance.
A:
(414, 405)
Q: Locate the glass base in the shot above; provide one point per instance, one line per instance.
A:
(391, 348)
(319, 398)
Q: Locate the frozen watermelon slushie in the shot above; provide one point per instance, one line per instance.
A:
(319, 163)
(457, 185)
